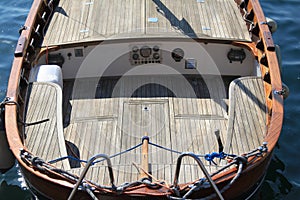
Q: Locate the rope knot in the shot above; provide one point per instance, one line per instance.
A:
(213, 155)
(241, 159)
(38, 164)
(37, 161)
(210, 157)
(145, 138)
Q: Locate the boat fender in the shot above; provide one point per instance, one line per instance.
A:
(7, 159)
(272, 24)
(286, 91)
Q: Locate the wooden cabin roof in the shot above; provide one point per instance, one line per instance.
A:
(88, 20)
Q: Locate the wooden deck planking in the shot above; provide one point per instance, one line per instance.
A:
(180, 123)
(45, 139)
(248, 121)
(79, 21)
(113, 122)
(239, 23)
(155, 10)
(210, 15)
(257, 103)
(247, 114)
(67, 24)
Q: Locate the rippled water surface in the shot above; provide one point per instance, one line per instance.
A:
(283, 178)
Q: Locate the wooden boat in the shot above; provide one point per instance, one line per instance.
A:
(144, 99)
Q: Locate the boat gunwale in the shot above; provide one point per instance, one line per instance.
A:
(276, 107)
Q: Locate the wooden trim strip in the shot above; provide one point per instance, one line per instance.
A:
(276, 107)
(20, 49)
(11, 125)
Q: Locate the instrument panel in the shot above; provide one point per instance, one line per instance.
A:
(144, 54)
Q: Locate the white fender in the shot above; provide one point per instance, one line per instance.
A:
(7, 160)
(272, 24)
(286, 91)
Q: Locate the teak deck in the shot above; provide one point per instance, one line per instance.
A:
(90, 20)
(111, 115)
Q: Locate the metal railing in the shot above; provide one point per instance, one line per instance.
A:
(201, 165)
(86, 168)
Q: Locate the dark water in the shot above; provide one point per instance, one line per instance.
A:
(283, 178)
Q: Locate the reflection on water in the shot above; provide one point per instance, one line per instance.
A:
(276, 185)
(9, 192)
(13, 186)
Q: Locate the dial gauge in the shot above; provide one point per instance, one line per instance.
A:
(145, 51)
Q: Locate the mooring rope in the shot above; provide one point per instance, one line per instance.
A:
(239, 161)
(209, 157)
(85, 161)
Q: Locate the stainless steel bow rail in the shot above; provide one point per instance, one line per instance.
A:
(175, 192)
(85, 170)
(201, 165)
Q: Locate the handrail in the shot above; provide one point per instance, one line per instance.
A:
(201, 165)
(86, 168)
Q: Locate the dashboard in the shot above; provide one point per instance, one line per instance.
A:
(154, 57)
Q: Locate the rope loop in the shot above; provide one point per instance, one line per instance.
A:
(7, 101)
(241, 160)
(38, 163)
(145, 138)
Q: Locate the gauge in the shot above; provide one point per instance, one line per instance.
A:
(145, 51)
(135, 56)
(135, 49)
(155, 48)
(177, 54)
(156, 56)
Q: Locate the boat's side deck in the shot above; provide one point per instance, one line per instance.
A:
(88, 20)
(44, 129)
(113, 114)
(247, 111)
